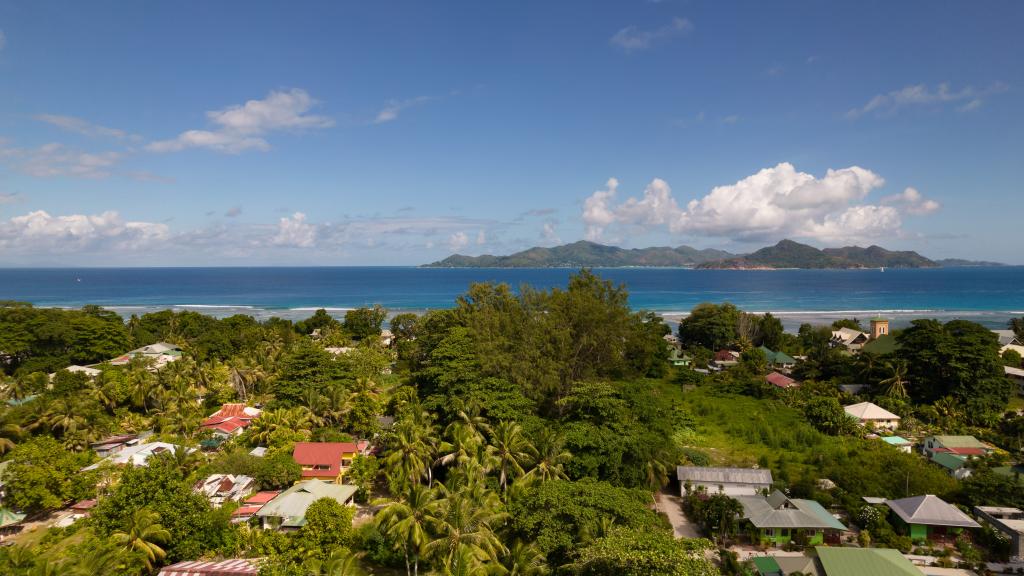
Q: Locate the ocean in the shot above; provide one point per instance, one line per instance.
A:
(990, 295)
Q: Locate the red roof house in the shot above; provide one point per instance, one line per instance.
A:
(780, 380)
(231, 419)
(327, 461)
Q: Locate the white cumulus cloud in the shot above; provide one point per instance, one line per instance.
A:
(39, 230)
(243, 127)
(913, 202)
(294, 232)
(457, 241)
(775, 202)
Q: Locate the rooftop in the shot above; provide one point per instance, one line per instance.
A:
(705, 475)
(234, 567)
(931, 511)
(863, 561)
(896, 440)
(869, 411)
(778, 511)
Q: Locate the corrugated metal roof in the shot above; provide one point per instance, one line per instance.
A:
(706, 475)
(233, 567)
(930, 510)
(864, 561)
(778, 511)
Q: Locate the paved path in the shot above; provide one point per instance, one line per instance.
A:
(672, 507)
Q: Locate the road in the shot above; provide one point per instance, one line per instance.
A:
(672, 507)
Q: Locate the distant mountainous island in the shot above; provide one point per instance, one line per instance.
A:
(785, 254)
(588, 254)
(951, 262)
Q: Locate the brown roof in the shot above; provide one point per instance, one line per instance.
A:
(780, 380)
(236, 567)
(325, 454)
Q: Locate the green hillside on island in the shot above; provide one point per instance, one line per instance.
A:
(785, 254)
(587, 254)
(790, 254)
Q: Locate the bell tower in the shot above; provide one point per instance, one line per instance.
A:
(879, 327)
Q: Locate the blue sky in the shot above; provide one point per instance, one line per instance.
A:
(248, 133)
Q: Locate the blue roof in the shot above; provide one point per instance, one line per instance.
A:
(896, 440)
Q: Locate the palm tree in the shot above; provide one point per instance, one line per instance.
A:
(65, 416)
(411, 457)
(948, 409)
(464, 522)
(144, 535)
(142, 384)
(551, 457)
(463, 444)
(512, 450)
(408, 521)
(524, 559)
(341, 562)
(9, 433)
(895, 386)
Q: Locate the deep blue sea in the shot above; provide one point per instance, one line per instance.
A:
(988, 295)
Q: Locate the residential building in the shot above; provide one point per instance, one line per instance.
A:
(778, 359)
(114, 444)
(160, 354)
(873, 415)
(677, 358)
(328, 461)
(725, 359)
(1008, 338)
(1017, 375)
(837, 561)
(960, 445)
(87, 370)
(221, 488)
(852, 340)
(234, 567)
(252, 505)
(778, 520)
(730, 481)
(899, 442)
(781, 380)
(138, 454)
(1009, 521)
(230, 420)
(287, 511)
(929, 518)
(954, 464)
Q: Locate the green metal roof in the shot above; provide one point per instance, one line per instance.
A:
(767, 566)
(863, 561)
(960, 442)
(778, 511)
(9, 517)
(947, 460)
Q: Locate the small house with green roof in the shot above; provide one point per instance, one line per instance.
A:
(778, 359)
(954, 464)
(777, 519)
(864, 561)
(929, 518)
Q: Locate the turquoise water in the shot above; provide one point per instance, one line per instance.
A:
(990, 295)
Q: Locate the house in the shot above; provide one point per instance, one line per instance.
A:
(387, 337)
(114, 444)
(961, 445)
(852, 340)
(1017, 375)
(928, 517)
(327, 461)
(87, 370)
(955, 464)
(725, 359)
(1009, 521)
(138, 454)
(867, 413)
(160, 354)
(730, 481)
(837, 561)
(781, 380)
(10, 522)
(252, 505)
(899, 442)
(677, 358)
(784, 565)
(1007, 338)
(233, 567)
(221, 488)
(778, 520)
(259, 451)
(779, 359)
(287, 511)
(230, 420)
